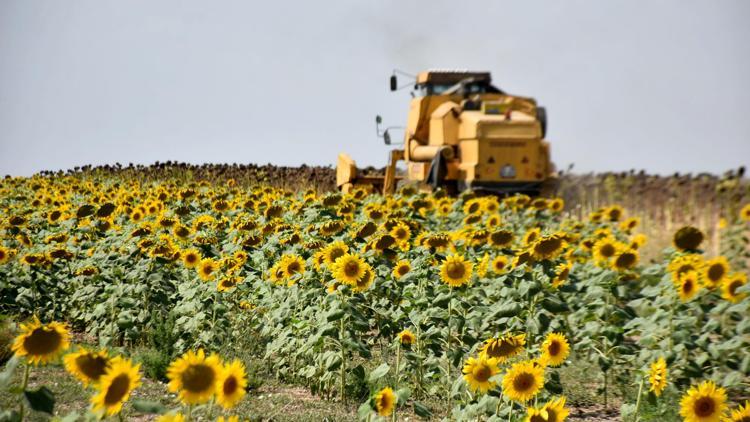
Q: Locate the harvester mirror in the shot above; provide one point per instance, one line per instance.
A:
(394, 83)
(378, 120)
(387, 137)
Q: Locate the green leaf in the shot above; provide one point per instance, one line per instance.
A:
(421, 410)
(150, 407)
(379, 372)
(403, 395)
(41, 400)
(7, 374)
(10, 416)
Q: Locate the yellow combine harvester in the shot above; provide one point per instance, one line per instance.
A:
(463, 133)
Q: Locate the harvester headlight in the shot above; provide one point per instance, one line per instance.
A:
(508, 171)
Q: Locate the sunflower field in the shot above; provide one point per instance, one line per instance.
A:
(417, 305)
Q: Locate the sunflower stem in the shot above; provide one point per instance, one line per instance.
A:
(189, 415)
(447, 349)
(342, 381)
(636, 417)
(26, 371)
(510, 413)
(398, 375)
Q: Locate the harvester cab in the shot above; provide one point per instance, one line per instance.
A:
(462, 133)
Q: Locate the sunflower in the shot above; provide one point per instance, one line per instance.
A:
(494, 220)
(499, 264)
(501, 238)
(742, 414)
(401, 268)
(531, 236)
(365, 281)
(230, 387)
(555, 349)
(504, 347)
(478, 371)
(614, 213)
(637, 241)
(206, 268)
(191, 258)
(658, 376)
(406, 337)
(291, 265)
(562, 272)
(349, 268)
(688, 238)
(704, 403)
(455, 270)
(401, 232)
(683, 264)
(87, 366)
(745, 213)
(194, 376)
(688, 286)
(4, 255)
(625, 259)
(730, 286)
(604, 249)
(523, 381)
(115, 386)
(556, 205)
(171, 417)
(333, 251)
(384, 402)
(630, 224)
(548, 247)
(552, 411)
(232, 418)
(714, 271)
(39, 343)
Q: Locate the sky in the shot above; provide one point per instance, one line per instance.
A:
(657, 85)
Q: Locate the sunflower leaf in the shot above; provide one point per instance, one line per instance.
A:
(150, 407)
(41, 400)
(379, 372)
(7, 373)
(422, 410)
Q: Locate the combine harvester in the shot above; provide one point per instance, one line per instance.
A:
(463, 133)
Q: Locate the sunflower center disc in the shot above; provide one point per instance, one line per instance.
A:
(117, 389)
(704, 407)
(554, 348)
(716, 272)
(523, 382)
(456, 270)
(482, 373)
(42, 342)
(230, 386)
(198, 378)
(351, 269)
(92, 366)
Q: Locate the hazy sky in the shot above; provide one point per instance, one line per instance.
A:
(659, 85)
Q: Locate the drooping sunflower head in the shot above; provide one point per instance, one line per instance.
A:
(349, 268)
(657, 377)
(504, 347)
(714, 271)
(230, 387)
(523, 381)
(703, 403)
(730, 286)
(87, 366)
(384, 402)
(455, 270)
(555, 349)
(548, 247)
(194, 376)
(115, 386)
(401, 268)
(625, 259)
(501, 238)
(531, 236)
(41, 343)
(478, 371)
(688, 286)
(688, 238)
(406, 337)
